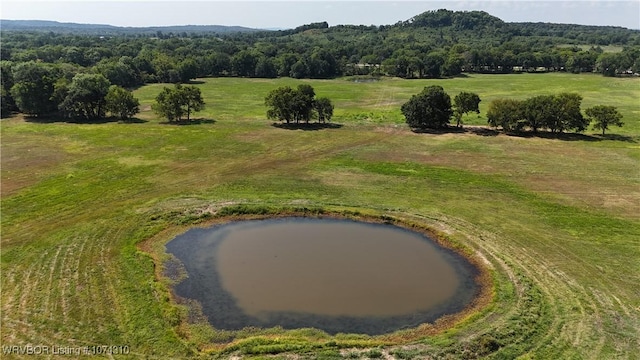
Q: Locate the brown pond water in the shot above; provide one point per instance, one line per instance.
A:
(335, 275)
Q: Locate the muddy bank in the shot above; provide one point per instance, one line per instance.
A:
(229, 303)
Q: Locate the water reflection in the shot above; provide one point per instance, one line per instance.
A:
(336, 275)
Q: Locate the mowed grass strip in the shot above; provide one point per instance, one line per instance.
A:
(556, 219)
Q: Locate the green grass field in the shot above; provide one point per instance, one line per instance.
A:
(557, 220)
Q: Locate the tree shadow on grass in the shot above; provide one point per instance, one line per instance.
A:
(617, 137)
(58, 119)
(439, 131)
(482, 131)
(573, 136)
(307, 127)
(458, 76)
(133, 120)
(183, 122)
(487, 131)
(476, 130)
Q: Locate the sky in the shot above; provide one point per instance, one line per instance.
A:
(268, 14)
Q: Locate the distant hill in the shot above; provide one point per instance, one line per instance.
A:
(99, 29)
(433, 44)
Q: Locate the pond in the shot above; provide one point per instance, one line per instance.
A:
(332, 274)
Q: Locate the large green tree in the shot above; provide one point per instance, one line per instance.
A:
(121, 103)
(296, 105)
(168, 104)
(465, 102)
(86, 97)
(119, 72)
(324, 109)
(558, 113)
(604, 116)
(192, 99)
(33, 87)
(244, 63)
(538, 111)
(433, 63)
(322, 64)
(507, 114)
(303, 102)
(431, 108)
(265, 68)
(280, 104)
(567, 114)
(174, 103)
(452, 65)
(187, 70)
(7, 104)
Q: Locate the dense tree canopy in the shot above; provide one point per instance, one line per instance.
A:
(7, 103)
(324, 109)
(86, 97)
(536, 111)
(556, 113)
(33, 88)
(567, 114)
(280, 103)
(121, 102)
(430, 109)
(507, 114)
(430, 45)
(168, 104)
(174, 103)
(296, 105)
(38, 67)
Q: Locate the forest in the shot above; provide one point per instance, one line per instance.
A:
(434, 44)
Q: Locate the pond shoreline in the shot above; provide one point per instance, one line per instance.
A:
(163, 260)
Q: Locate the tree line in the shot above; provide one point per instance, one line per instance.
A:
(434, 44)
(555, 113)
(42, 89)
(432, 109)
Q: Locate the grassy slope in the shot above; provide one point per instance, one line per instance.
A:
(558, 220)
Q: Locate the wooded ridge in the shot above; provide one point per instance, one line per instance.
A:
(434, 44)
